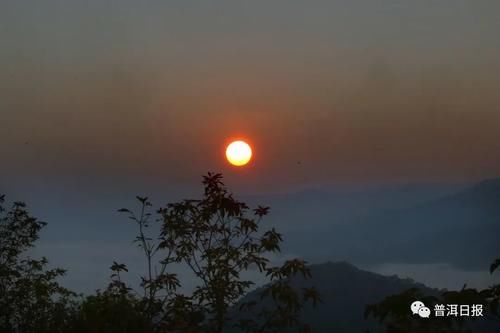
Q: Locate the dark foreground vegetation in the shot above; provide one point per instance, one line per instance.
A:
(218, 238)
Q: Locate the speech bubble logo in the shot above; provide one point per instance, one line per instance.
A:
(415, 306)
(424, 312)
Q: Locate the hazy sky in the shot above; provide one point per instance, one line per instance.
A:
(112, 92)
(103, 100)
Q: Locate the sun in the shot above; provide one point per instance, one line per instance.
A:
(238, 153)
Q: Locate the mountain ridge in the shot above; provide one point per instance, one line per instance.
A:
(345, 292)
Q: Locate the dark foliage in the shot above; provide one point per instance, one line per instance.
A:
(217, 237)
(31, 300)
(394, 312)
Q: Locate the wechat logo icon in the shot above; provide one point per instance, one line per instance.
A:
(419, 308)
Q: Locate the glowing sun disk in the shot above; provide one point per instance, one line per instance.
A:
(238, 153)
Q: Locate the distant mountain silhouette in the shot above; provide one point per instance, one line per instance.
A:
(333, 220)
(421, 224)
(341, 205)
(345, 291)
(461, 229)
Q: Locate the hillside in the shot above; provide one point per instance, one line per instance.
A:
(345, 291)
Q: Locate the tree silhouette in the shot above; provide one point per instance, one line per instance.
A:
(218, 238)
(31, 300)
(393, 312)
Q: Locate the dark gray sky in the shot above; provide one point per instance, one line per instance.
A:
(357, 91)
